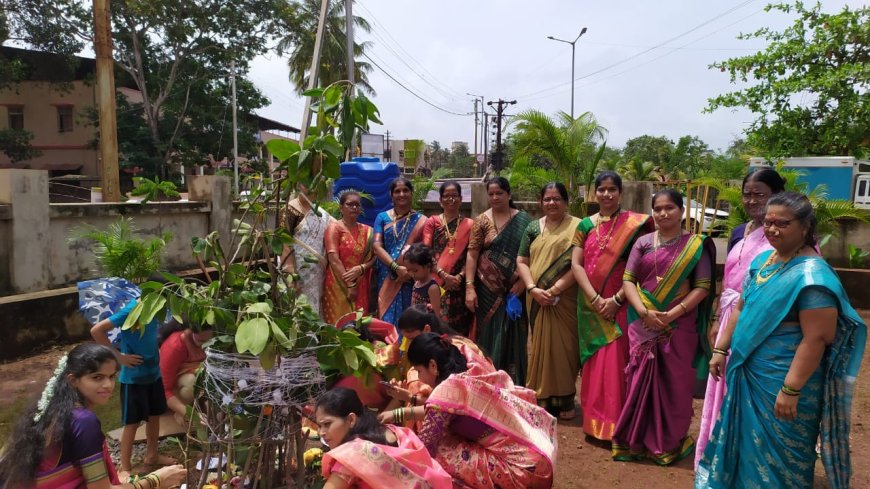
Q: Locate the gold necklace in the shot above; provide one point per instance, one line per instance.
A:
(396, 225)
(451, 238)
(602, 243)
(760, 278)
(546, 221)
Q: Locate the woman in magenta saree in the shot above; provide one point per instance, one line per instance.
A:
(668, 280)
(485, 431)
(601, 246)
(747, 241)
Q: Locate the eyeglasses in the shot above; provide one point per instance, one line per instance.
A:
(353, 205)
(755, 195)
(554, 200)
(778, 223)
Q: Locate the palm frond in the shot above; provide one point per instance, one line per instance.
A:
(118, 252)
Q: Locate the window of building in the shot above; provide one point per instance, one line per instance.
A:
(16, 117)
(64, 118)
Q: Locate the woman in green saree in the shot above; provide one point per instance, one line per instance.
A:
(490, 271)
(544, 264)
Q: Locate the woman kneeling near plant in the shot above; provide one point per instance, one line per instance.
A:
(483, 429)
(367, 454)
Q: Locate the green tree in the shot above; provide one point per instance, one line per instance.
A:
(654, 149)
(461, 162)
(810, 87)
(15, 144)
(333, 55)
(572, 148)
(690, 157)
(168, 50)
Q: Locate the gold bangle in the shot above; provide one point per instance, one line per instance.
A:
(531, 287)
(685, 309)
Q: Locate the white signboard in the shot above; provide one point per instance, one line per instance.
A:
(372, 145)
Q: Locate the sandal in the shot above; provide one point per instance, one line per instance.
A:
(568, 415)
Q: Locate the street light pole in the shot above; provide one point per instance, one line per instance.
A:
(573, 46)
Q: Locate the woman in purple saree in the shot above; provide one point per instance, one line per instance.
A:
(667, 279)
(746, 242)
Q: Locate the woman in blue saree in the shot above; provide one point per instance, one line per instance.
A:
(795, 347)
(395, 230)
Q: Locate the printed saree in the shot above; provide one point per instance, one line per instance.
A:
(736, 266)
(749, 446)
(503, 339)
(449, 249)
(664, 364)
(513, 444)
(396, 236)
(308, 228)
(554, 360)
(603, 344)
(367, 465)
(353, 248)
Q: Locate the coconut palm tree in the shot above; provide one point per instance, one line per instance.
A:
(640, 171)
(571, 147)
(333, 55)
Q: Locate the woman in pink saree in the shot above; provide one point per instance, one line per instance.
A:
(485, 431)
(746, 242)
(366, 454)
(601, 246)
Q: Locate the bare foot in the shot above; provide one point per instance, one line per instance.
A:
(124, 475)
(159, 460)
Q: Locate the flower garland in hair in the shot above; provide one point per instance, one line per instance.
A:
(48, 392)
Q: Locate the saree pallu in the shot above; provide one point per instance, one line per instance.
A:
(663, 364)
(749, 446)
(82, 459)
(353, 249)
(554, 361)
(396, 235)
(518, 448)
(736, 266)
(503, 339)
(366, 465)
(308, 230)
(449, 250)
(603, 345)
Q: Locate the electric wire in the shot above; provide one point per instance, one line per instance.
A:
(641, 53)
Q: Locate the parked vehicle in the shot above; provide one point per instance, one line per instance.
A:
(712, 220)
(844, 177)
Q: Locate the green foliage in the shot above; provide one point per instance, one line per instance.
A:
(461, 162)
(153, 189)
(526, 179)
(423, 185)
(118, 252)
(299, 42)
(809, 87)
(257, 308)
(16, 145)
(572, 148)
(653, 149)
(857, 257)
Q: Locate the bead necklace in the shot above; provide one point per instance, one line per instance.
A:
(603, 242)
(451, 238)
(657, 244)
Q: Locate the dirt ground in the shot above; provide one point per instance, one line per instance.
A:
(580, 464)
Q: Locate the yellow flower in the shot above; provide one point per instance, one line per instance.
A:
(311, 455)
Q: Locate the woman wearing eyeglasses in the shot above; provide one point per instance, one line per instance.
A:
(349, 249)
(746, 242)
(448, 235)
(794, 345)
(544, 264)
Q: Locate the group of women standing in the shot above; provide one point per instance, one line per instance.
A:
(629, 299)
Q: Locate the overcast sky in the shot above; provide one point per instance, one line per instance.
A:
(643, 71)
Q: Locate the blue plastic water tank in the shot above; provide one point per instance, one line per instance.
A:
(372, 176)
